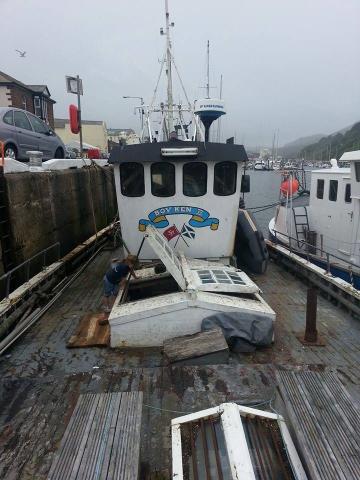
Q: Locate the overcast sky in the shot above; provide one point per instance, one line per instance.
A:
(292, 65)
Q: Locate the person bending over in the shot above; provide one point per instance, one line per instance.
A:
(115, 277)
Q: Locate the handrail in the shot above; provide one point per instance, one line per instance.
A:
(2, 154)
(7, 275)
(328, 254)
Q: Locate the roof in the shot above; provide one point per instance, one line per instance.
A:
(151, 152)
(40, 89)
(61, 122)
(117, 131)
(43, 89)
(350, 156)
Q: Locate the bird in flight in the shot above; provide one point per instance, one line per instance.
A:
(22, 54)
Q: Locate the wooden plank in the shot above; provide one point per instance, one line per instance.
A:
(102, 439)
(326, 422)
(91, 332)
(189, 349)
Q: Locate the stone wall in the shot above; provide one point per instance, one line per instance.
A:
(59, 206)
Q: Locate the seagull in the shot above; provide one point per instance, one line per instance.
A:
(22, 54)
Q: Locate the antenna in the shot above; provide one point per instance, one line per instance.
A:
(208, 71)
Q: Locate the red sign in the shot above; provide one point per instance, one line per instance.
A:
(171, 232)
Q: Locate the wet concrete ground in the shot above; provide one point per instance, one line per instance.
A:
(41, 379)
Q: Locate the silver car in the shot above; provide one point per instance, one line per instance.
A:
(22, 131)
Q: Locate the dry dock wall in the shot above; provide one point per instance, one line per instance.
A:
(65, 206)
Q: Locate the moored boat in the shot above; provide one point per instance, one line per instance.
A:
(327, 230)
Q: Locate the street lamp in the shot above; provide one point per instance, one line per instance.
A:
(142, 110)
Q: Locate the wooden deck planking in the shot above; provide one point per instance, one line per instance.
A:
(102, 439)
(325, 420)
(45, 379)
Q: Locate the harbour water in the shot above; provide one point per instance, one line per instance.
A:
(265, 187)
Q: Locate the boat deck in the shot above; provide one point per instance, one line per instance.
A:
(41, 379)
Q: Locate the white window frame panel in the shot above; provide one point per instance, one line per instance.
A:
(166, 254)
(235, 440)
(194, 282)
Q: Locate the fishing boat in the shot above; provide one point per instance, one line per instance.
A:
(327, 231)
(178, 200)
(86, 412)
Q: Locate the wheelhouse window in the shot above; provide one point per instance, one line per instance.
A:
(132, 179)
(163, 179)
(9, 118)
(357, 171)
(194, 179)
(320, 189)
(225, 178)
(333, 189)
(348, 193)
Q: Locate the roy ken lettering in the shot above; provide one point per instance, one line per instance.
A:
(199, 217)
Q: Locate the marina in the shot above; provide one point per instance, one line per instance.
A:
(168, 307)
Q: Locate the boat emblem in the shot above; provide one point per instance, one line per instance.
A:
(199, 217)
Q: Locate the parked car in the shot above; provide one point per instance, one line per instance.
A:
(70, 152)
(22, 131)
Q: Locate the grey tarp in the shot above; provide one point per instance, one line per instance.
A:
(242, 333)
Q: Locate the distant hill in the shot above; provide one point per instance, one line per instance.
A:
(292, 149)
(333, 146)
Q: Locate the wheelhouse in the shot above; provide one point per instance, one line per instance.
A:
(188, 191)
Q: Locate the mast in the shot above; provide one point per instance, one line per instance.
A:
(168, 71)
(208, 70)
(219, 121)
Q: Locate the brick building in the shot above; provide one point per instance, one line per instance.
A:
(33, 98)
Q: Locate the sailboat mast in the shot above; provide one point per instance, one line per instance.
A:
(168, 72)
(208, 70)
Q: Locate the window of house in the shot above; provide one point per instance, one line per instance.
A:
(44, 109)
(348, 193)
(357, 171)
(21, 120)
(24, 103)
(37, 106)
(9, 118)
(320, 189)
(225, 178)
(333, 189)
(163, 179)
(37, 124)
(194, 179)
(132, 179)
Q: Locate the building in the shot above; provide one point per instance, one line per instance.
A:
(33, 98)
(94, 133)
(118, 136)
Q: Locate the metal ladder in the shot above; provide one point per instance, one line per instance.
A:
(301, 220)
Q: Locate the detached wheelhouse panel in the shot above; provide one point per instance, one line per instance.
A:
(233, 442)
(188, 191)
